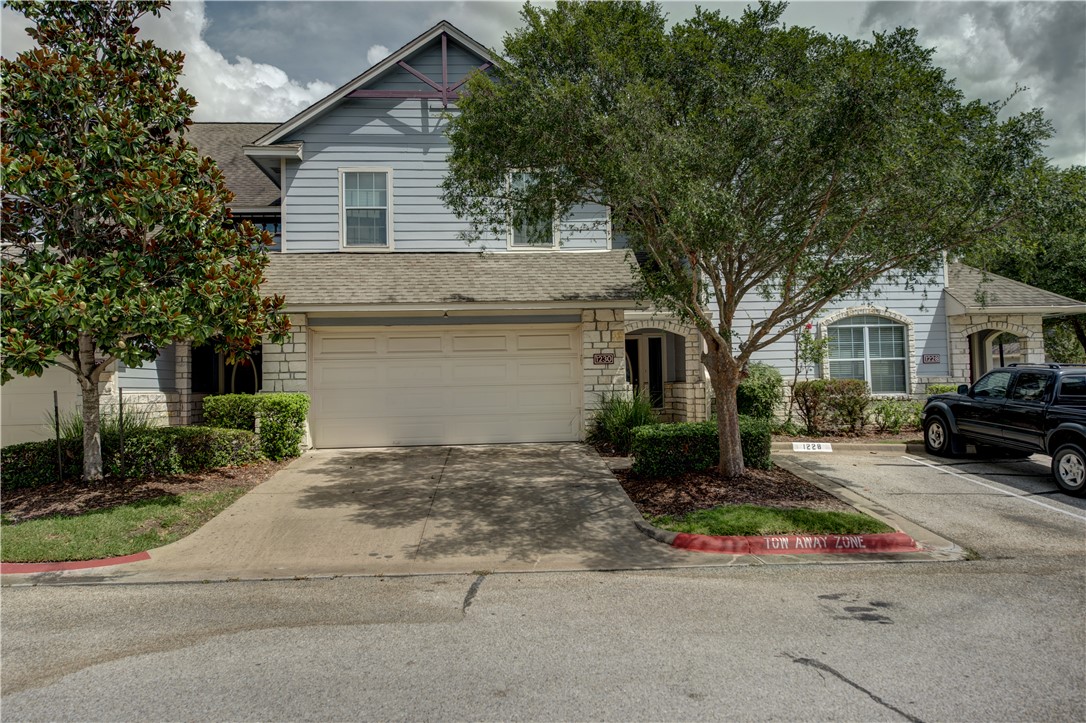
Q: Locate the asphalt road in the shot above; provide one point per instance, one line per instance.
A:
(997, 638)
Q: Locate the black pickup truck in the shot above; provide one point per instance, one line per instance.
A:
(1015, 411)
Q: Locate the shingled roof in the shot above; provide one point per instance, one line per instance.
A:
(223, 142)
(977, 291)
(441, 279)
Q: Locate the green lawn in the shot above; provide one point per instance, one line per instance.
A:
(121, 530)
(753, 520)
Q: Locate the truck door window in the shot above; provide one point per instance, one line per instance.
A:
(1073, 388)
(992, 386)
(1030, 386)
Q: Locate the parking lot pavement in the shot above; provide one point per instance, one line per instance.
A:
(993, 507)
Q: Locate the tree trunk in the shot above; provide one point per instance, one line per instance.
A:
(92, 434)
(725, 376)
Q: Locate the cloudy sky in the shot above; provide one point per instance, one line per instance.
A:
(265, 61)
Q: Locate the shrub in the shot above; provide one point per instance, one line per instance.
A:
(893, 415)
(617, 417)
(231, 411)
(846, 401)
(153, 451)
(33, 464)
(942, 389)
(811, 397)
(761, 392)
(282, 423)
(174, 450)
(666, 449)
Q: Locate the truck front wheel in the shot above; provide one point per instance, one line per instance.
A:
(1069, 469)
(939, 440)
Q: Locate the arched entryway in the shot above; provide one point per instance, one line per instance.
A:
(663, 360)
(995, 345)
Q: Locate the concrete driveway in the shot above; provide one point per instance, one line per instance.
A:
(418, 510)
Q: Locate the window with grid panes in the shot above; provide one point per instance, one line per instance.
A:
(365, 209)
(871, 348)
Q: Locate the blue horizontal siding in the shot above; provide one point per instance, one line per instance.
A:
(157, 375)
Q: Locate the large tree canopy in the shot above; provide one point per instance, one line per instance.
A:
(119, 234)
(1047, 248)
(741, 157)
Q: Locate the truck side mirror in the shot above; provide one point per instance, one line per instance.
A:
(963, 389)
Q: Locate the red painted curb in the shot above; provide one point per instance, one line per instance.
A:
(12, 568)
(796, 544)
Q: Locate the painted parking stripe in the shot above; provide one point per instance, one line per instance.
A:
(944, 470)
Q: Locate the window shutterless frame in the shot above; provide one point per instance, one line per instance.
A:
(858, 349)
(365, 200)
(510, 243)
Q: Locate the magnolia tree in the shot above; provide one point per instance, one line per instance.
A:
(740, 158)
(117, 232)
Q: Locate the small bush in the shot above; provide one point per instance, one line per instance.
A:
(893, 415)
(231, 411)
(847, 400)
(174, 450)
(761, 392)
(811, 397)
(33, 464)
(662, 450)
(153, 451)
(282, 423)
(942, 389)
(617, 417)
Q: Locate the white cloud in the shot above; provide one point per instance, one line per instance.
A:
(376, 54)
(238, 90)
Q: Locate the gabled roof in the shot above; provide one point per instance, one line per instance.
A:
(373, 73)
(974, 291)
(223, 143)
(441, 280)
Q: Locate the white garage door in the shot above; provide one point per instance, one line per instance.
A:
(26, 402)
(448, 385)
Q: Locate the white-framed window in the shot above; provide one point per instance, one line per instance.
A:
(365, 209)
(872, 348)
(525, 233)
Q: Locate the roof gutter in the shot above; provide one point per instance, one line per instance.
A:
(459, 306)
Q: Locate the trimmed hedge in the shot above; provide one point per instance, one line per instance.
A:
(761, 392)
(282, 424)
(662, 450)
(942, 389)
(231, 411)
(281, 419)
(156, 451)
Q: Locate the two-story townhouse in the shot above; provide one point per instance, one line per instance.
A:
(408, 331)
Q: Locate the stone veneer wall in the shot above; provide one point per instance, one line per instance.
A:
(602, 331)
(286, 365)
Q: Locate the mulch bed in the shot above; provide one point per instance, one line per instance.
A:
(692, 491)
(73, 497)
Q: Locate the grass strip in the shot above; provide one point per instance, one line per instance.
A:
(755, 520)
(120, 530)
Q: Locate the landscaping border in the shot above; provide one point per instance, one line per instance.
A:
(25, 568)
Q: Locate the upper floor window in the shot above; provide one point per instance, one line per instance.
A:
(871, 348)
(367, 208)
(526, 232)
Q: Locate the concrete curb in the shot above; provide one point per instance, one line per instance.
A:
(24, 568)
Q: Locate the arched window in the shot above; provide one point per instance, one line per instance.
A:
(871, 348)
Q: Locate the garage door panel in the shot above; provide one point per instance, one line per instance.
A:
(547, 372)
(347, 345)
(470, 343)
(454, 386)
(414, 344)
(545, 342)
